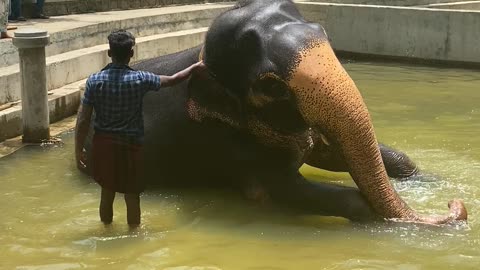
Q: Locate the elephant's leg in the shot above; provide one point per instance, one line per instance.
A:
(294, 191)
(397, 164)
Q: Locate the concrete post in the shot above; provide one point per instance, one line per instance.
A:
(31, 48)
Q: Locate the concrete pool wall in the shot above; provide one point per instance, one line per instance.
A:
(75, 32)
(440, 4)
(464, 5)
(404, 3)
(404, 32)
(78, 49)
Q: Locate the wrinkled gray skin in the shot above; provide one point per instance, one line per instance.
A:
(249, 122)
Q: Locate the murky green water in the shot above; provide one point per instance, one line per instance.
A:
(49, 211)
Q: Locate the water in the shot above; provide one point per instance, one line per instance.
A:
(49, 210)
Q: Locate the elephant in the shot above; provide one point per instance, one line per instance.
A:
(273, 97)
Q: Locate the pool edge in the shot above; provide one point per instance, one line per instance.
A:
(12, 145)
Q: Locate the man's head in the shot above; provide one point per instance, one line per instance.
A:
(121, 46)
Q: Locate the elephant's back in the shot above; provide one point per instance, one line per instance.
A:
(171, 63)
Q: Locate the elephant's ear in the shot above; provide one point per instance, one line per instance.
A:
(209, 100)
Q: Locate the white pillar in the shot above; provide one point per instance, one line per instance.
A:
(31, 48)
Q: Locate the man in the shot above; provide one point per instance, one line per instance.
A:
(116, 95)
(4, 19)
(4, 27)
(16, 14)
(38, 12)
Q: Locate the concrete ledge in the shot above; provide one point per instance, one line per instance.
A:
(56, 129)
(69, 67)
(414, 33)
(74, 32)
(404, 3)
(62, 103)
(466, 5)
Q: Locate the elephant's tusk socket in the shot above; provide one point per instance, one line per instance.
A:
(324, 139)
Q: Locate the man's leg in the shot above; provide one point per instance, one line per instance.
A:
(16, 7)
(133, 209)
(106, 206)
(3, 19)
(39, 10)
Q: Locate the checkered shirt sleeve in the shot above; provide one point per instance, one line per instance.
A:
(89, 97)
(152, 82)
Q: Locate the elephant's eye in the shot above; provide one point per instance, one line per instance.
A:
(271, 87)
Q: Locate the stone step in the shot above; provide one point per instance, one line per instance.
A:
(73, 32)
(65, 73)
(63, 7)
(72, 66)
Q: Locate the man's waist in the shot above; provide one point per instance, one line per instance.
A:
(123, 136)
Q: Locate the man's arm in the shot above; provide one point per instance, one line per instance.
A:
(181, 75)
(83, 124)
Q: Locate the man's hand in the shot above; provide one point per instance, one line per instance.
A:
(83, 123)
(81, 157)
(198, 67)
(182, 75)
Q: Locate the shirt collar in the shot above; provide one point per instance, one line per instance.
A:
(116, 66)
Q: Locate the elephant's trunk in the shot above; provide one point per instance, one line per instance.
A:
(328, 99)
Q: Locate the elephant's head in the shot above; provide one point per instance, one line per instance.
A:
(276, 76)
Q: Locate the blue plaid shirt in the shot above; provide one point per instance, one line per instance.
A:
(116, 94)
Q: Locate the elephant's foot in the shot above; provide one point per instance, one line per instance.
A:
(398, 164)
(296, 192)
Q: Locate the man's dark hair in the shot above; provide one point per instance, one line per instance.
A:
(121, 43)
